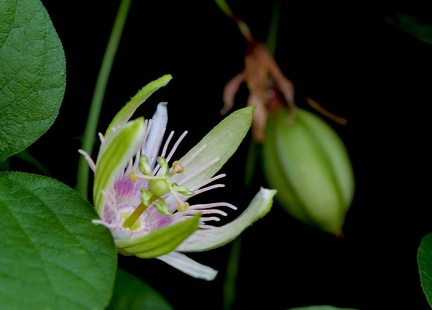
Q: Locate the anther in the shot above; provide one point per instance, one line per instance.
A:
(177, 167)
(182, 207)
(133, 176)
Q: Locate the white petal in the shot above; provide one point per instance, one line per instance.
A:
(158, 124)
(203, 240)
(189, 266)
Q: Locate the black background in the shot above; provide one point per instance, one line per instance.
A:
(349, 59)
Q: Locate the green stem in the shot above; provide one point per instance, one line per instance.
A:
(244, 29)
(230, 283)
(273, 29)
(98, 96)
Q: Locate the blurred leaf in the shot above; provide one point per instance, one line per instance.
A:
(52, 254)
(32, 75)
(424, 259)
(132, 293)
(413, 25)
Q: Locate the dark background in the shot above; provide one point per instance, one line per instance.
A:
(349, 59)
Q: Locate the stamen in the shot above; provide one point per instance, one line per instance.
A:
(182, 207)
(178, 200)
(177, 167)
(133, 176)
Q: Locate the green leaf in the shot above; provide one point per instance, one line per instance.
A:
(32, 74)
(159, 242)
(412, 25)
(52, 254)
(424, 259)
(220, 143)
(128, 110)
(132, 293)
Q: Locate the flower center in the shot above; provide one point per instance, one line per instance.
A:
(158, 186)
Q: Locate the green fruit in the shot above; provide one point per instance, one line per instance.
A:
(308, 164)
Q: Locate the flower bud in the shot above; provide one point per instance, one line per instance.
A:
(308, 164)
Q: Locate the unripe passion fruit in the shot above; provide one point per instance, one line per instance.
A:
(308, 164)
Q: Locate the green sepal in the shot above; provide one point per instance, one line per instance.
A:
(128, 110)
(221, 142)
(114, 156)
(204, 240)
(159, 242)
